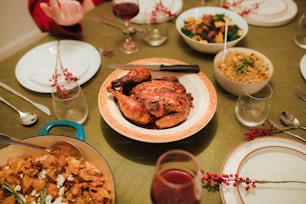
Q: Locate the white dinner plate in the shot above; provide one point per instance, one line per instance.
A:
(270, 13)
(204, 102)
(303, 66)
(273, 159)
(36, 67)
(174, 6)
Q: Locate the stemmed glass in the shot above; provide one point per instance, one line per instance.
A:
(299, 35)
(126, 10)
(177, 179)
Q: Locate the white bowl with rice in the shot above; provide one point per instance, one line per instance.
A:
(240, 66)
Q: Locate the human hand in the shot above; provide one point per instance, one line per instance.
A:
(64, 12)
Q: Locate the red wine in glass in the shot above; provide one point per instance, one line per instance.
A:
(126, 10)
(180, 191)
(177, 179)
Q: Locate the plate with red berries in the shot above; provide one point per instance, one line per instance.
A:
(266, 170)
(36, 67)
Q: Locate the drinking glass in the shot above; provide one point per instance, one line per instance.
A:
(299, 35)
(253, 109)
(177, 179)
(69, 102)
(126, 10)
(155, 30)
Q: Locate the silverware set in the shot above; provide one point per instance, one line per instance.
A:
(116, 23)
(25, 118)
(291, 123)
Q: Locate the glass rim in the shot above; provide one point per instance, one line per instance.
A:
(183, 152)
(266, 85)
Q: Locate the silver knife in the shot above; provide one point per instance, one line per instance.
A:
(37, 105)
(160, 67)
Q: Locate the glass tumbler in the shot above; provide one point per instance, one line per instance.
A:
(177, 179)
(69, 102)
(252, 109)
(155, 30)
(299, 35)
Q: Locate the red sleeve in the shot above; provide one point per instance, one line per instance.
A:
(46, 24)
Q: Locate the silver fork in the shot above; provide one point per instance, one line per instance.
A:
(300, 93)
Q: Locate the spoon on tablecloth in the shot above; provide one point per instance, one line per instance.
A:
(290, 120)
(25, 118)
(57, 149)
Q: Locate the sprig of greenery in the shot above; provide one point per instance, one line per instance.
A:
(245, 63)
(11, 190)
(43, 195)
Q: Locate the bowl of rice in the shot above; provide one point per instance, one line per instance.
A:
(240, 66)
(203, 28)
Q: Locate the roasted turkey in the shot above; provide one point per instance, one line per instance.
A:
(163, 102)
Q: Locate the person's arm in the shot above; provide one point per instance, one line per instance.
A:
(58, 19)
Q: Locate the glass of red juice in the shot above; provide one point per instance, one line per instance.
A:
(177, 179)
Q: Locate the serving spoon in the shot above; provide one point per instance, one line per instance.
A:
(290, 120)
(57, 149)
(225, 39)
(25, 118)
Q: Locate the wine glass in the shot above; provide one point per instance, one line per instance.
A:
(126, 10)
(299, 35)
(177, 179)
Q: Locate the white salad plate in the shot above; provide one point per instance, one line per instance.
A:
(174, 6)
(270, 159)
(197, 84)
(303, 66)
(35, 69)
(269, 13)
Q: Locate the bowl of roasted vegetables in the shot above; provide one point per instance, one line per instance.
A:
(204, 28)
(241, 66)
(29, 175)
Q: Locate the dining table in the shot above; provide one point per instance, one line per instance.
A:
(133, 162)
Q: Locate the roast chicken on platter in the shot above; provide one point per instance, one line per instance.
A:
(156, 103)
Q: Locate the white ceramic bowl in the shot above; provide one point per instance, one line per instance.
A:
(199, 12)
(235, 87)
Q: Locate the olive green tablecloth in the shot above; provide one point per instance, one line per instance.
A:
(131, 162)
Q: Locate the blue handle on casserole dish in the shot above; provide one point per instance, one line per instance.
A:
(80, 133)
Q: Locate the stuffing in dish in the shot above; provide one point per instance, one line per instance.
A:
(242, 67)
(49, 179)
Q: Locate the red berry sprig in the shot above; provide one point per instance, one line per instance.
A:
(60, 88)
(263, 130)
(243, 11)
(227, 179)
(160, 7)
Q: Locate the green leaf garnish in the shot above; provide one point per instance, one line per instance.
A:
(11, 190)
(245, 63)
(43, 195)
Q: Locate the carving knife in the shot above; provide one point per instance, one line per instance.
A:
(160, 67)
